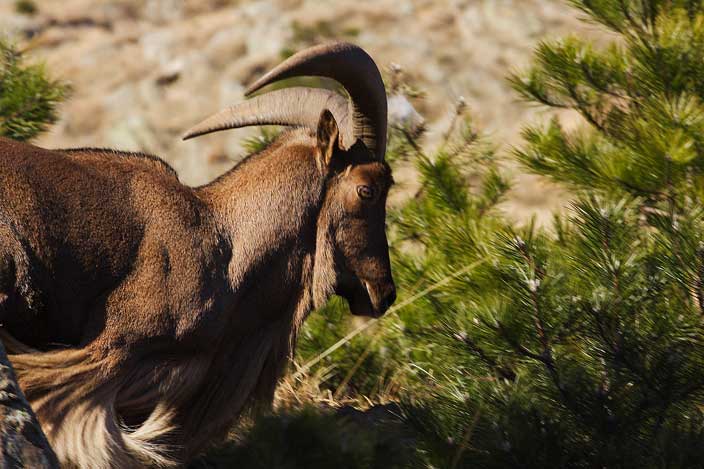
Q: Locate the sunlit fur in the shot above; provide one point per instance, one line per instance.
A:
(143, 317)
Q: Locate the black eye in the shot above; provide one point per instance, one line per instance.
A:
(365, 192)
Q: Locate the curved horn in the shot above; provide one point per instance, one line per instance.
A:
(352, 67)
(291, 106)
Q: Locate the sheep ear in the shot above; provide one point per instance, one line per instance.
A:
(328, 139)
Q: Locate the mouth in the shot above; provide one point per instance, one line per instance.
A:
(363, 298)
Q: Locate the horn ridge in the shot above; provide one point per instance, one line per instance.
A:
(298, 106)
(356, 71)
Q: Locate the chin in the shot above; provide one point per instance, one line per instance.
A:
(360, 304)
(358, 295)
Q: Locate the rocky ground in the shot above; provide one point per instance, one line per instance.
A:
(142, 72)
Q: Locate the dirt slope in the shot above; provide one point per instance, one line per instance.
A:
(144, 71)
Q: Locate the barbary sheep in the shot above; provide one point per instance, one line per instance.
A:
(143, 316)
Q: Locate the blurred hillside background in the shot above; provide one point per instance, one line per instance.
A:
(142, 72)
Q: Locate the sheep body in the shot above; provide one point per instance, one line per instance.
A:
(143, 316)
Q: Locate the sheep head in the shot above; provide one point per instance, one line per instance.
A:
(352, 258)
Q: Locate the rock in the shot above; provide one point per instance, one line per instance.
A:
(402, 114)
(22, 441)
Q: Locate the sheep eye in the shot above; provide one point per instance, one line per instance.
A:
(365, 192)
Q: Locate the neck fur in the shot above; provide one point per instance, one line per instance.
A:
(269, 208)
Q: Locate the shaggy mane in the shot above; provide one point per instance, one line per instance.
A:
(76, 401)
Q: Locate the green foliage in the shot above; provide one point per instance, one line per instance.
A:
(582, 346)
(259, 142)
(642, 96)
(580, 349)
(28, 97)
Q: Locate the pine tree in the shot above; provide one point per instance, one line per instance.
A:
(28, 97)
(582, 346)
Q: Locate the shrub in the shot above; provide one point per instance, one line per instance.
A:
(28, 97)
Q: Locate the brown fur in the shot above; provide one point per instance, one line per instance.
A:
(143, 316)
